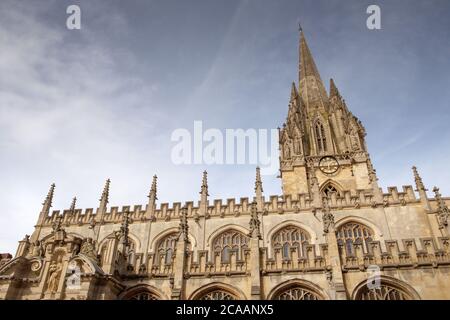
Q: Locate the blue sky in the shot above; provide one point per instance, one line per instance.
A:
(78, 107)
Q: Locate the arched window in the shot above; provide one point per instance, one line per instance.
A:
(383, 292)
(166, 247)
(296, 293)
(321, 137)
(230, 240)
(290, 237)
(353, 233)
(330, 189)
(143, 295)
(218, 294)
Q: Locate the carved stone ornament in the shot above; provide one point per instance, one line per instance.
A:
(88, 249)
(54, 275)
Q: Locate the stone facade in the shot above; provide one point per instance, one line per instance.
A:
(332, 234)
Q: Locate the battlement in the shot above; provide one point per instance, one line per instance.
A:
(349, 199)
(407, 253)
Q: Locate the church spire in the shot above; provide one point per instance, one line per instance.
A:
(312, 89)
(307, 65)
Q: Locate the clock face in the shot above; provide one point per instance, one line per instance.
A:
(328, 165)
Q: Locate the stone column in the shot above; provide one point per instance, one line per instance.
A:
(335, 277)
(179, 263)
(255, 259)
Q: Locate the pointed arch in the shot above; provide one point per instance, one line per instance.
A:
(132, 236)
(166, 246)
(331, 186)
(217, 291)
(223, 228)
(142, 292)
(230, 239)
(297, 289)
(351, 231)
(156, 239)
(290, 234)
(389, 288)
(321, 137)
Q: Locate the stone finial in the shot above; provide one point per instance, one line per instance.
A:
(152, 197)
(105, 194)
(47, 204)
(124, 230)
(203, 198)
(419, 183)
(254, 222)
(294, 92)
(183, 228)
(73, 205)
(443, 212)
(104, 200)
(204, 188)
(258, 181)
(334, 92)
(372, 172)
(153, 189)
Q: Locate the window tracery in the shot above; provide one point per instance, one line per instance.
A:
(353, 233)
(166, 247)
(230, 240)
(384, 292)
(290, 237)
(144, 295)
(297, 293)
(218, 295)
(329, 190)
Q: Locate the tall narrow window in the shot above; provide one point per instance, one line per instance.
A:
(321, 138)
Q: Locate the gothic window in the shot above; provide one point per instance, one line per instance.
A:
(144, 295)
(218, 295)
(383, 292)
(230, 240)
(288, 238)
(353, 233)
(297, 293)
(131, 252)
(166, 247)
(330, 189)
(321, 137)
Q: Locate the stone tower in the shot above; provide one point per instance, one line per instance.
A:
(322, 145)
